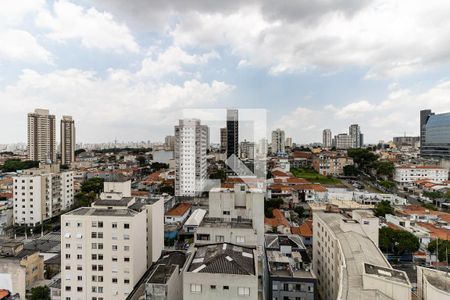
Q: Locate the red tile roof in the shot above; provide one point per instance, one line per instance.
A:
(179, 210)
(436, 232)
(277, 220)
(305, 230)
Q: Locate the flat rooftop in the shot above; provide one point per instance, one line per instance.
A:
(109, 202)
(234, 223)
(387, 273)
(438, 279)
(281, 265)
(89, 211)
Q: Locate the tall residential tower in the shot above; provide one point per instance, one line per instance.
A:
(67, 140)
(41, 136)
(326, 138)
(232, 132)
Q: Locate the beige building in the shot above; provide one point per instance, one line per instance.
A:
(432, 284)
(348, 263)
(235, 216)
(20, 270)
(41, 136)
(331, 163)
(67, 140)
(41, 193)
(221, 271)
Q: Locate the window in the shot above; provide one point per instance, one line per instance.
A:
(79, 256)
(114, 225)
(126, 248)
(126, 226)
(114, 280)
(78, 224)
(94, 235)
(126, 237)
(114, 259)
(67, 256)
(126, 259)
(68, 288)
(79, 289)
(79, 268)
(213, 287)
(226, 212)
(126, 281)
(67, 246)
(100, 224)
(100, 235)
(220, 238)
(196, 288)
(226, 287)
(114, 247)
(243, 291)
(94, 256)
(68, 267)
(240, 239)
(94, 224)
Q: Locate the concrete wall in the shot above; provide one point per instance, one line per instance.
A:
(396, 291)
(118, 187)
(155, 231)
(12, 277)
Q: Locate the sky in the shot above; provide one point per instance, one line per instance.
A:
(127, 70)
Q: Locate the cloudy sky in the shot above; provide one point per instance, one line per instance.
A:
(126, 69)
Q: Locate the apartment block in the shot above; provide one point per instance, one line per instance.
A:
(232, 138)
(103, 252)
(190, 157)
(349, 264)
(408, 174)
(278, 141)
(41, 136)
(331, 163)
(221, 271)
(41, 193)
(235, 216)
(343, 141)
(67, 132)
(326, 138)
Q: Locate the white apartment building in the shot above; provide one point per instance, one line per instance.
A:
(41, 136)
(67, 140)
(278, 141)
(190, 157)
(356, 135)
(326, 138)
(407, 174)
(41, 193)
(221, 271)
(103, 253)
(348, 263)
(235, 216)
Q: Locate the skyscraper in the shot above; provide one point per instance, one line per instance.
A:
(190, 157)
(223, 139)
(289, 142)
(435, 135)
(232, 132)
(326, 138)
(355, 133)
(41, 136)
(278, 141)
(67, 140)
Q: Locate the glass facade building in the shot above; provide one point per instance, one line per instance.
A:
(436, 136)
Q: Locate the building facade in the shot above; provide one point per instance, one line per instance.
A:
(41, 193)
(343, 141)
(232, 132)
(223, 140)
(41, 136)
(190, 157)
(278, 141)
(410, 141)
(435, 135)
(408, 174)
(67, 140)
(331, 163)
(326, 138)
(349, 264)
(247, 150)
(356, 135)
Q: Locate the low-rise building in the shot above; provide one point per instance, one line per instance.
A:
(408, 174)
(331, 163)
(221, 271)
(178, 214)
(289, 269)
(194, 220)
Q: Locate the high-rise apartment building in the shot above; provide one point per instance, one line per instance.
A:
(326, 138)
(169, 142)
(41, 193)
(247, 150)
(223, 140)
(343, 141)
(356, 135)
(348, 263)
(67, 140)
(278, 141)
(190, 157)
(41, 136)
(435, 135)
(232, 132)
(289, 142)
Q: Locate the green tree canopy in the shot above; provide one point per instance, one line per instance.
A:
(40, 293)
(362, 157)
(442, 245)
(94, 184)
(397, 242)
(270, 205)
(382, 208)
(350, 170)
(12, 165)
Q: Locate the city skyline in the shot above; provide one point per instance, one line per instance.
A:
(131, 79)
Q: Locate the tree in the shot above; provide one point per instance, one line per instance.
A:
(362, 157)
(40, 293)
(433, 195)
(350, 170)
(218, 174)
(167, 189)
(300, 210)
(397, 242)
(142, 161)
(94, 184)
(382, 208)
(12, 165)
(383, 168)
(79, 151)
(270, 205)
(443, 247)
(156, 166)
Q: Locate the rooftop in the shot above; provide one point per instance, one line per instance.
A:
(234, 223)
(387, 273)
(179, 210)
(166, 265)
(109, 202)
(223, 258)
(89, 211)
(438, 279)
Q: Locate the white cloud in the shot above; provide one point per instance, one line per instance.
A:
(19, 45)
(13, 12)
(389, 38)
(393, 116)
(94, 29)
(114, 107)
(172, 61)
